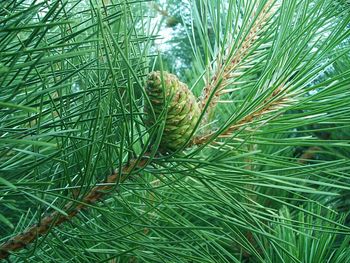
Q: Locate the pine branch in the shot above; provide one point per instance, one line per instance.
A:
(101, 191)
(55, 219)
(227, 68)
(275, 101)
(219, 187)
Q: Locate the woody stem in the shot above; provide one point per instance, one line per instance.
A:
(54, 219)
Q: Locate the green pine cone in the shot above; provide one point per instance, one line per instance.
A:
(182, 110)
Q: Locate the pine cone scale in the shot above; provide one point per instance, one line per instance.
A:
(182, 110)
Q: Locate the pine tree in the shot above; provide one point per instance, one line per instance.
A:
(97, 164)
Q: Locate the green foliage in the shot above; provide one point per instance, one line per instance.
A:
(315, 240)
(268, 184)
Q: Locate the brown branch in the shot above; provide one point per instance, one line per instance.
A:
(55, 218)
(275, 100)
(228, 65)
(309, 154)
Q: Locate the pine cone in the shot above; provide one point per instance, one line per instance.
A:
(182, 110)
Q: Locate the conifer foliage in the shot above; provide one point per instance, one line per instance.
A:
(106, 156)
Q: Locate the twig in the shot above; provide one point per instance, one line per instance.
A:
(55, 219)
(309, 154)
(269, 105)
(228, 65)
